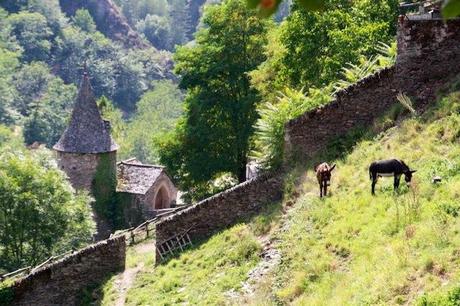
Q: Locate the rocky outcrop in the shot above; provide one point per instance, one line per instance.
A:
(109, 20)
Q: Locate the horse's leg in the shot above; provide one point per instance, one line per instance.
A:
(325, 188)
(396, 182)
(374, 181)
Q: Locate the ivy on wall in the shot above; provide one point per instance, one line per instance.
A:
(103, 188)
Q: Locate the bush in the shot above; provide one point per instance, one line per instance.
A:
(268, 138)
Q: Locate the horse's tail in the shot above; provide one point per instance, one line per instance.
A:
(370, 174)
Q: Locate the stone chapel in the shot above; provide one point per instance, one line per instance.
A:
(86, 147)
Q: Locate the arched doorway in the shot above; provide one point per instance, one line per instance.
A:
(161, 198)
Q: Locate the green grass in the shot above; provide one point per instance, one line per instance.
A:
(353, 248)
(350, 248)
(201, 275)
(204, 274)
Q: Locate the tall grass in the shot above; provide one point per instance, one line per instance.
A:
(353, 248)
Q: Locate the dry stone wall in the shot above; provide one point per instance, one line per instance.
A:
(428, 58)
(60, 283)
(222, 209)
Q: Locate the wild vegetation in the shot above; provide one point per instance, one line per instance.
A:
(238, 80)
(350, 248)
(40, 213)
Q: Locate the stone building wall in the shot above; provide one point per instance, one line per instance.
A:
(222, 209)
(428, 58)
(60, 283)
(81, 167)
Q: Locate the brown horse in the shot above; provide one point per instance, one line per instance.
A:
(323, 174)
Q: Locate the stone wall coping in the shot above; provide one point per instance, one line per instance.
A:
(336, 102)
(67, 260)
(220, 195)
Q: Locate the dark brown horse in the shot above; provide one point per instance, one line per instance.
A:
(323, 174)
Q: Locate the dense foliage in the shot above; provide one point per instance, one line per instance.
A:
(39, 31)
(157, 113)
(220, 105)
(318, 45)
(39, 215)
(163, 23)
(268, 139)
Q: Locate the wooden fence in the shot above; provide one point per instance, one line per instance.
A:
(132, 235)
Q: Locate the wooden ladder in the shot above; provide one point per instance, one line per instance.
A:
(174, 243)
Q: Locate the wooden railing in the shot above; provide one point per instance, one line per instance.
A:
(30, 269)
(132, 235)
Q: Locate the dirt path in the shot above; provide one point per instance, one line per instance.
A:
(271, 257)
(125, 280)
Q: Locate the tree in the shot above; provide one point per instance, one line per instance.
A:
(220, 105)
(8, 63)
(48, 119)
(33, 34)
(157, 113)
(51, 10)
(84, 21)
(312, 47)
(31, 82)
(157, 30)
(37, 209)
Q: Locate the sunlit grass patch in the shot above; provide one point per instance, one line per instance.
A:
(355, 248)
(201, 275)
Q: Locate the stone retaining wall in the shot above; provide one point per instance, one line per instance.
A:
(223, 209)
(428, 59)
(60, 283)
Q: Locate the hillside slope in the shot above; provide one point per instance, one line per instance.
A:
(109, 20)
(348, 249)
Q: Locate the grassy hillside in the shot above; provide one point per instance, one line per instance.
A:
(354, 248)
(350, 248)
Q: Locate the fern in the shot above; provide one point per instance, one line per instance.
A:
(268, 139)
(406, 102)
(355, 72)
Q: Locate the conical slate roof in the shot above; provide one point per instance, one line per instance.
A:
(87, 131)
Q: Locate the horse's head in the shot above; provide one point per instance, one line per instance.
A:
(408, 175)
(326, 174)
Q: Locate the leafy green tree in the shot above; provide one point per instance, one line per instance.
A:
(51, 10)
(33, 34)
(157, 113)
(220, 103)
(31, 82)
(319, 44)
(140, 9)
(84, 21)
(37, 209)
(157, 30)
(130, 81)
(179, 20)
(74, 47)
(8, 63)
(14, 5)
(48, 119)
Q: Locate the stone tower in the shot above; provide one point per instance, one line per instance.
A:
(86, 149)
